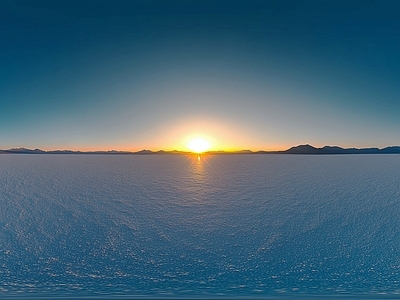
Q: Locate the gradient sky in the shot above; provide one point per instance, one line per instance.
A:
(129, 75)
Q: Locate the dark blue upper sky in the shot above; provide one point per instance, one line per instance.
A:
(246, 74)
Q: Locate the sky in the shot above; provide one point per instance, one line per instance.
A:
(151, 74)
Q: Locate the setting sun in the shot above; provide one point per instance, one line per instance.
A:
(198, 145)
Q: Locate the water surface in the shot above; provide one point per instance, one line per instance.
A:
(271, 226)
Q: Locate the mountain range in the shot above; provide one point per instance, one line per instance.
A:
(301, 149)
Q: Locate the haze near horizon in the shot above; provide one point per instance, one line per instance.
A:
(258, 75)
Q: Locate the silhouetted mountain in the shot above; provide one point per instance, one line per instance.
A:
(63, 152)
(391, 149)
(307, 149)
(177, 152)
(144, 152)
(301, 149)
(244, 151)
(24, 151)
(333, 149)
(218, 152)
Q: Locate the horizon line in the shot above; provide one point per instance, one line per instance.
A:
(299, 149)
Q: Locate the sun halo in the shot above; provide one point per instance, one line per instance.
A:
(198, 145)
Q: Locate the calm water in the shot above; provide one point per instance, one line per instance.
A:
(277, 226)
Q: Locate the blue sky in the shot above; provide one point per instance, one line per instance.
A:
(128, 75)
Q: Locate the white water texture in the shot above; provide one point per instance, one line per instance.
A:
(170, 225)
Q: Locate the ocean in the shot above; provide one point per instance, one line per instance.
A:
(225, 226)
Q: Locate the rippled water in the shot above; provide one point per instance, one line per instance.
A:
(277, 226)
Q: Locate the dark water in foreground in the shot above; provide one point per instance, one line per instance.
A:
(245, 226)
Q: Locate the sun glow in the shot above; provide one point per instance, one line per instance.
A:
(198, 145)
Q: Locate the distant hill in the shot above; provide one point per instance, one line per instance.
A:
(308, 149)
(38, 151)
(301, 149)
(24, 151)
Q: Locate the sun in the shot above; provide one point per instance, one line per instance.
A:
(198, 145)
